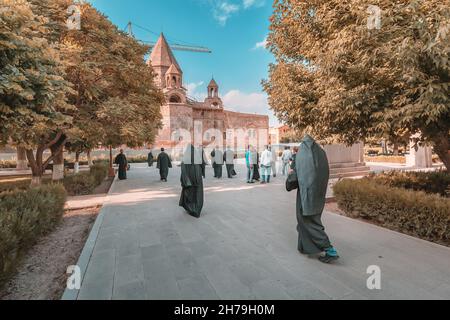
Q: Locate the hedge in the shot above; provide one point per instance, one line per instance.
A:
(24, 217)
(84, 183)
(430, 182)
(416, 213)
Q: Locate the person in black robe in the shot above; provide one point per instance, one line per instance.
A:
(121, 161)
(313, 171)
(204, 161)
(192, 181)
(256, 175)
(228, 158)
(150, 159)
(164, 164)
(217, 159)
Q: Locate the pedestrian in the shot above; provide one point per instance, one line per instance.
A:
(150, 159)
(312, 169)
(266, 165)
(286, 157)
(274, 160)
(164, 163)
(228, 157)
(217, 162)
(192, 182)
(121, 161)
(249, 161)
(256, 162)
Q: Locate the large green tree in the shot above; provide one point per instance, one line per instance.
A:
(34, 112)
(115, 96)
(340, 77)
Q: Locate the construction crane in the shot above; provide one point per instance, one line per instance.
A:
(173, 46)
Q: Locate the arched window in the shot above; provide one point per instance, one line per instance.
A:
(175, 99)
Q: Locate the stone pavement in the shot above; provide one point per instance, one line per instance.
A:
(143, 246)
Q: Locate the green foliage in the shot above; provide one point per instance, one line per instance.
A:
(33, 91)
(336, 78)
(99, 171)
(24, 217)
(429, 182)
(411, 212)
(80, 184)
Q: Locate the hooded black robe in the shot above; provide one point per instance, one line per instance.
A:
(313, 172)
(164, 164)
(256, 175)
(192, 183)
(121, 161)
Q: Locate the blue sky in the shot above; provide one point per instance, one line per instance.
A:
(234, 30)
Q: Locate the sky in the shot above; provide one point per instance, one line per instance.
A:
(235, 31)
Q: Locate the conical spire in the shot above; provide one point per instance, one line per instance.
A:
(162, 55)
(213, 84)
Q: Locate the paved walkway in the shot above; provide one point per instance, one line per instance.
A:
(244, 247)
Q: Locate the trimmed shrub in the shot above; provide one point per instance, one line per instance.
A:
(383, 158)
(415, 213)
(430, 182)
(137, 159)
(80, 184)
(99, 171)
(24, 217)
(8, 164)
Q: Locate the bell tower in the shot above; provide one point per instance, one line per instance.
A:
(213, 99)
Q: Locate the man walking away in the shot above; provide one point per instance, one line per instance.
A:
(217, 159)
(228, 157)
(285, 158)
(164, 164)
(266, 165)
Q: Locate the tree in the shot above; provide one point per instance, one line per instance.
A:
(336, 77)
(115, 96)
(34, 111)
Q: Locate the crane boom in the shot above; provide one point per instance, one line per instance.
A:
(178, 47)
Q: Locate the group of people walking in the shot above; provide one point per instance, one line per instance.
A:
(307, 169)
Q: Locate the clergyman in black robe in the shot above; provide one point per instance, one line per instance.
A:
(164, 164)
(150, 159)
(228, 157)
(217, 160)
(256, 175)
(204, 161)
(192, 181)
(121, 161)
(313, 172)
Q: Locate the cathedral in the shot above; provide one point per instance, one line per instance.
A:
(203, 122)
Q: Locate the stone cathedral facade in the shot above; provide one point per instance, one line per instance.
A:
(206, 122)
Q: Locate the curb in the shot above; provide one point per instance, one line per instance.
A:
(88, 249)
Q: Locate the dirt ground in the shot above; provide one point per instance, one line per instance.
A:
(42, 273)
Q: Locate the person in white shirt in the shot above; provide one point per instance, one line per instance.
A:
(285, 158)
(266, 165)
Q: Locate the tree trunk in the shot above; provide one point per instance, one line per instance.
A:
(442, 149)
(89, 157)
(22, 163)
(58, 162)
(395, 146)
(36, 168)
(76, 166)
